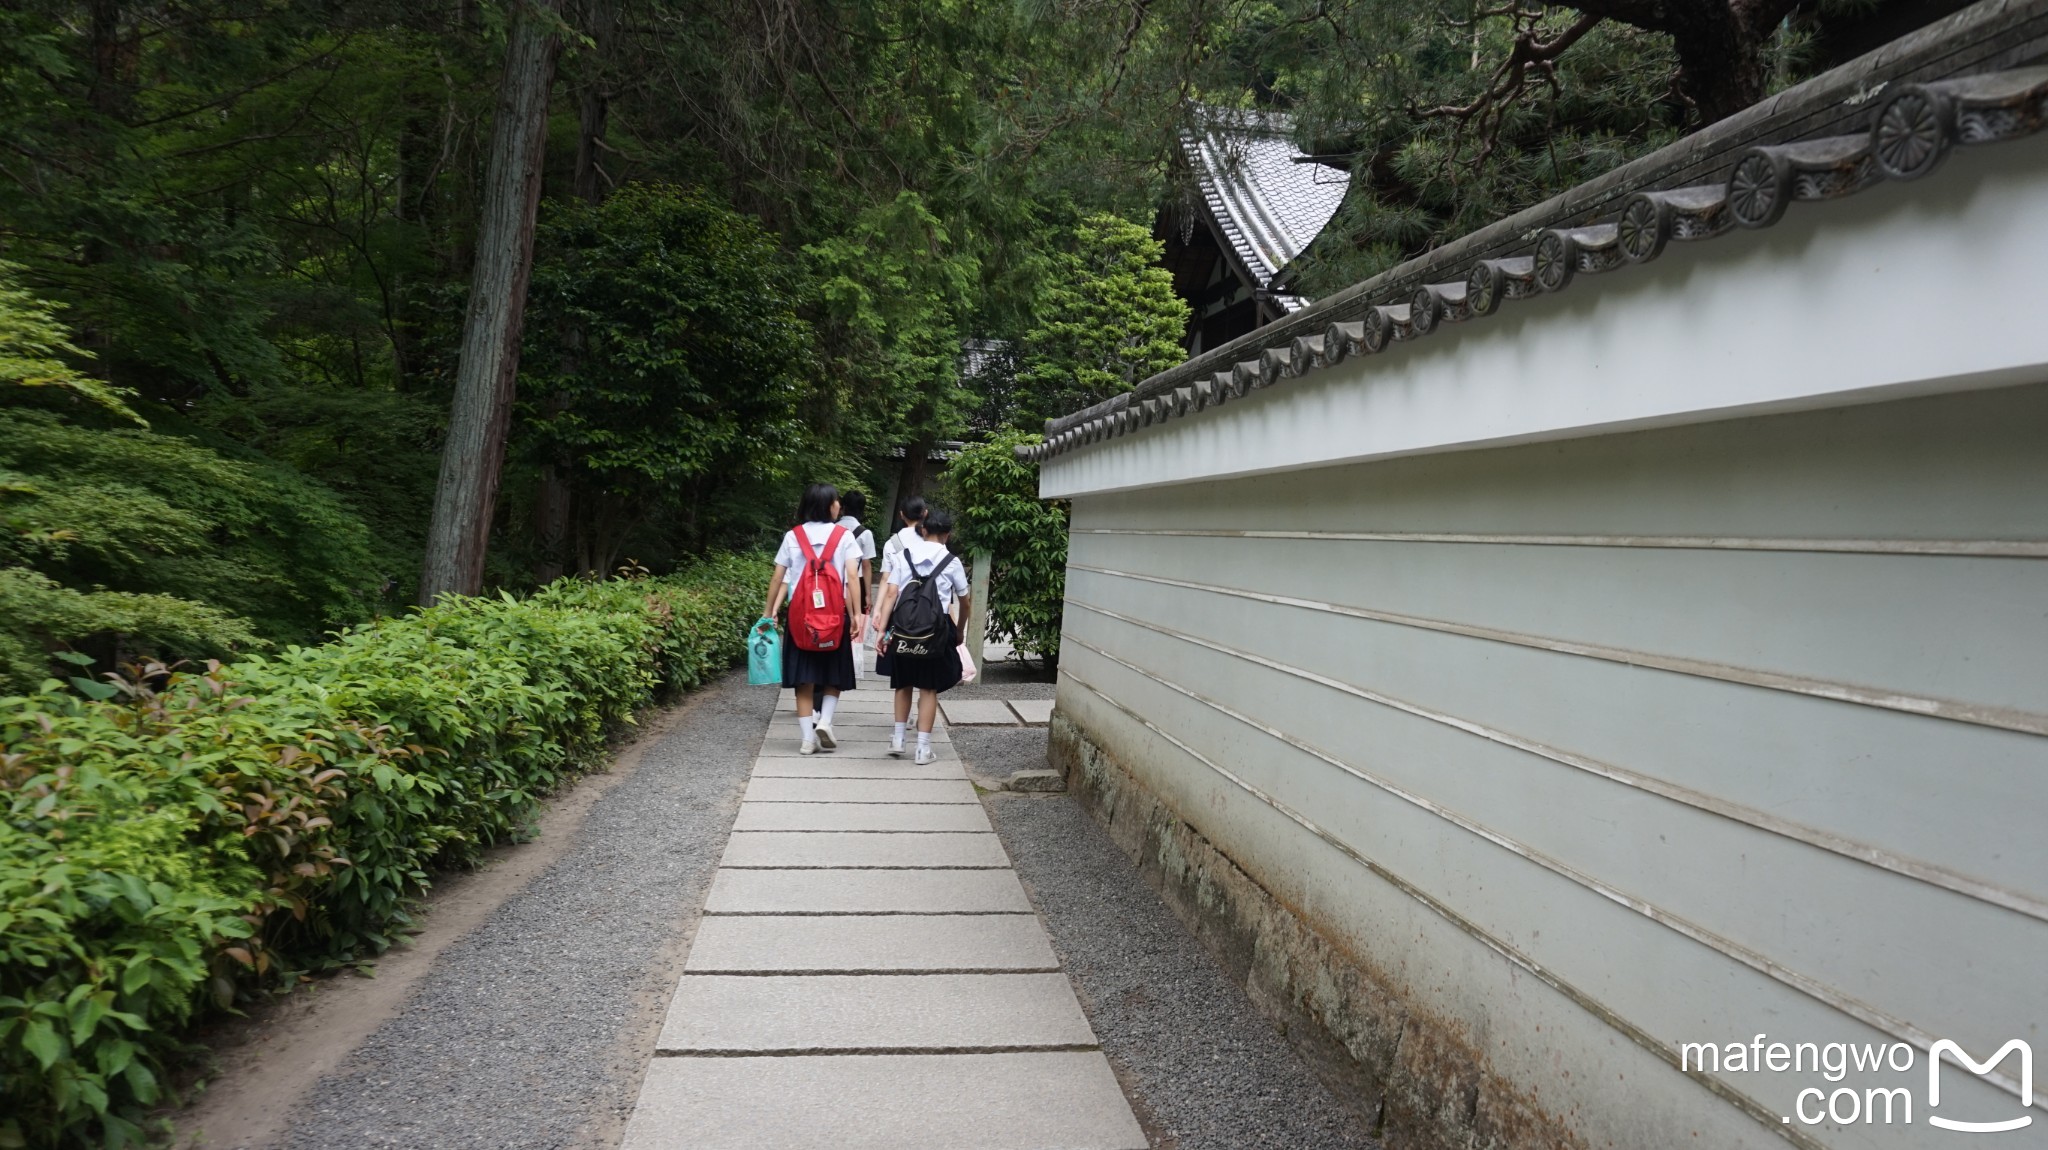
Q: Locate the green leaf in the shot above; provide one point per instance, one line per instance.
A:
(41, 1040)
(92, 690)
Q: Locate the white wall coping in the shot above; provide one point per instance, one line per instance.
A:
(1906, 289)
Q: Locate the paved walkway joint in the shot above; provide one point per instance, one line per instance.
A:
(868, 973)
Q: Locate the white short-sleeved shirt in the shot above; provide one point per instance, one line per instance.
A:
(792, 556)
(922, 555)
(862, 535)
(892, 551)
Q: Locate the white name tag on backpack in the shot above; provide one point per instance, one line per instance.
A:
(817, 598)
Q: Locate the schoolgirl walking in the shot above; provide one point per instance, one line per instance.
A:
(819, 565)
(925, 603)
(912, 514)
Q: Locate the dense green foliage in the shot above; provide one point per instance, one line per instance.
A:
(132, 510)
(182, 836)
(116, 539)
(664, 370)
(895, 294)
(1107, 320)
(997, 495)
(36, 352)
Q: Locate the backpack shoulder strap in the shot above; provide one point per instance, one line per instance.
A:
(822, 557)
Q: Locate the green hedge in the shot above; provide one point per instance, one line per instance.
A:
(184, 836)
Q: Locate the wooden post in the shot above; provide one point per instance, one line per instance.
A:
(977, 595)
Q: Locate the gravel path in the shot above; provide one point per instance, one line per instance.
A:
(1205, 1069)
(533, 1031)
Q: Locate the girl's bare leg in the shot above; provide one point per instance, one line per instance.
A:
(927, 709)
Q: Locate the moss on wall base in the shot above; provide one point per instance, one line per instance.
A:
(1414, 1077)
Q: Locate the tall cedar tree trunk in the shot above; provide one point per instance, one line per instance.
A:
(465, 500)
(554, 505)
(910, 477)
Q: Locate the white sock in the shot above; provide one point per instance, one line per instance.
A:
(924, 740)
(808, 724)
(826, 706)
(900, 727)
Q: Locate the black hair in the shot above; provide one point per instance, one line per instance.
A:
(915, 509)
(853, 503)
(938, 522)
(816, 506)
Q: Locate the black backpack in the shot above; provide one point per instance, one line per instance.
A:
(917, 624)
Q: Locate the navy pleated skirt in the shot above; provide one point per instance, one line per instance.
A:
(818, 668)
(939, 672)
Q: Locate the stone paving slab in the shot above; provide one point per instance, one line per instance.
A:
(864, 719)
(887, 942)
(783, 745)
(866, 892)
(855, 849)
(861, 817)
(1034, 712)
(1033, 1101)
(887, 719)
(788, 790)
(977, 712)
(833, 767)
(871, 699)
(881, 1012)
(860, 721)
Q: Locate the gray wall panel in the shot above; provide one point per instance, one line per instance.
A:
(1765, 895)
(1952, 627)
(1868, 776)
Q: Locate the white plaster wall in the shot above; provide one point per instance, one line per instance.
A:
(1726, 725)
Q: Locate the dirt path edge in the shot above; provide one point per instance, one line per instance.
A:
(266, 1065)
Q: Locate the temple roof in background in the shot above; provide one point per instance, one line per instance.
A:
(1972, 79)
(1268, 203)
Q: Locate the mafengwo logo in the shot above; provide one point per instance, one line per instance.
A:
(1985, 1067)
(1882, 1094)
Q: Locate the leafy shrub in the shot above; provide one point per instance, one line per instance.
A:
(120, 538)
(132, 510)
(38, 612)
(1001, 513)
(182, 836)
(36, 352)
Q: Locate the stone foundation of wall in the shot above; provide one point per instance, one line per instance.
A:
(1415, 1081)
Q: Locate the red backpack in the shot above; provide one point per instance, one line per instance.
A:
(817, 608)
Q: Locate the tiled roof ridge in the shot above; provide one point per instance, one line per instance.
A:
(1892, 114)
(1240, 196)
